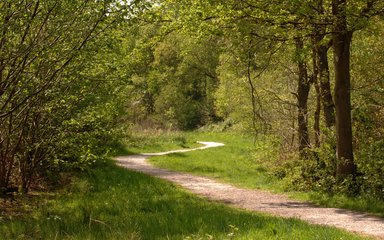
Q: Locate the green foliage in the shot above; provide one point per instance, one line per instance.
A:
(75, 75)
(309, 176)
(227, 125)
(371, 167)
(370, 147)
(257, 77)
(58, 99)
(177, 90)
(369, 108)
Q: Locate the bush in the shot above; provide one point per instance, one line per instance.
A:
(370, 163)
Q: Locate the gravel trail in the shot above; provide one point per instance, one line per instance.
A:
(257, 200)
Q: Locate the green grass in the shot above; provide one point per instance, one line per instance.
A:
(235, 162)
(359, 203)
(147, 141)
(244, 164)
(113, 203)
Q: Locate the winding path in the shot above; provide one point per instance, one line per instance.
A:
(257, 200)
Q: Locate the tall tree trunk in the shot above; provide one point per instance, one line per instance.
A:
(325, 86)
(322, 69)
(315, 80)
(342, 39)
(302, 100)
(3, 184)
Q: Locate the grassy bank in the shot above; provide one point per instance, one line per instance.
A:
(245, 164)
(145, 141)
(112, 203)
(235, 162)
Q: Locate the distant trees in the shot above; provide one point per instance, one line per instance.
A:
(175, 87)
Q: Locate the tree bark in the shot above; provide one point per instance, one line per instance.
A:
(322, 67)
(325, 86)
(315, 80)
(342, 39)
(302, 101)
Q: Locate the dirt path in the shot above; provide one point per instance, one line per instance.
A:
(257, 200)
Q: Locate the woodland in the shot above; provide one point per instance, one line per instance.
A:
(79, 78)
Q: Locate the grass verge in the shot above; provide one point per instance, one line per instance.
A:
(146, 141)
(245, 164)
(235, 162)
(109, 202)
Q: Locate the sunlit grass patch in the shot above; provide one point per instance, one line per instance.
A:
(234, 162)
(153, 140)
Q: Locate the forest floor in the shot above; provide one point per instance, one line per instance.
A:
(257, 200)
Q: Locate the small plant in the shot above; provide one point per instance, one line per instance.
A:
(180, 140)
(233, 230)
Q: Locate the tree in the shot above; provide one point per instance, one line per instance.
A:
(304, 84)
(39, 42)
(180, 81)
(345, 24)
(342, 38)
